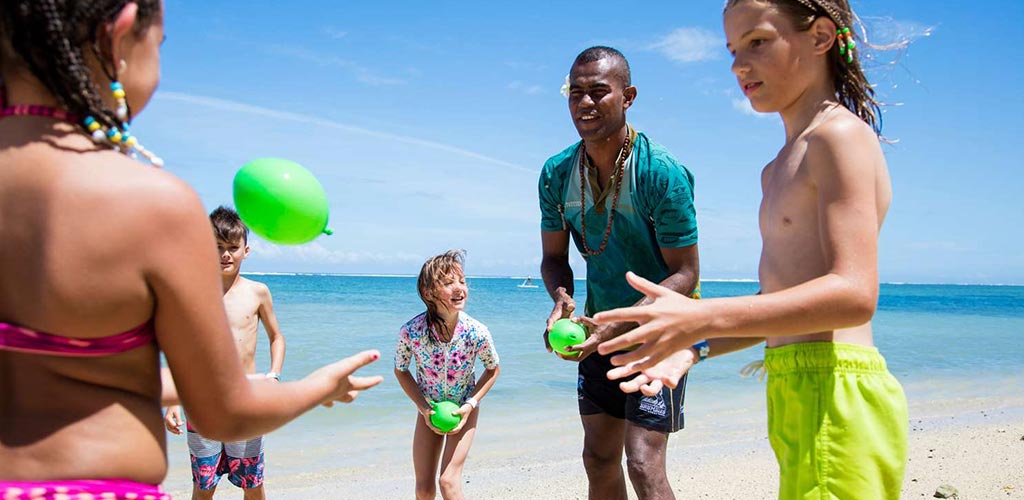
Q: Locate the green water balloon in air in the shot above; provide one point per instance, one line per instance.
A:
(281, 201)
(443, 418)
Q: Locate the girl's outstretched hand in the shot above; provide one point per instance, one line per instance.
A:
(670, 323)
(345, 386)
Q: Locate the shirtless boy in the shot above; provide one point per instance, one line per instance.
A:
(247, 303)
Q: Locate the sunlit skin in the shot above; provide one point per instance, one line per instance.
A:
(231, 254)
(825, 196)
(429, 443)
(142, 76)
(96, 244)
(598, 99)
(247, 304)
(451, 298)
(771, 58)
(130, 50)
(29, 447)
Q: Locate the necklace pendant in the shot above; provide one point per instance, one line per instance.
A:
(617, 176)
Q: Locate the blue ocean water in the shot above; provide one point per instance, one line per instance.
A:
(923, 330)
(940, 341)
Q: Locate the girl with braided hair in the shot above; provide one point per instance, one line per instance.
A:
(94, 243)
(837, 419)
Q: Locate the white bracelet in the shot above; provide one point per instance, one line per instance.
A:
(472, 402)
(274, 375)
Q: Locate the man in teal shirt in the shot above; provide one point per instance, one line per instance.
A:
(628, 206)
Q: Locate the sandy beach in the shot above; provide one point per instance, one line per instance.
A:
(975, 444)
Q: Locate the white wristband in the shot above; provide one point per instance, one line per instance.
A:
(472, 402)
(274, 375)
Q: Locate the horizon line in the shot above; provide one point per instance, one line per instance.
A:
(520, 277)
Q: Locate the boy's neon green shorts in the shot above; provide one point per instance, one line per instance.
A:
(837, 420)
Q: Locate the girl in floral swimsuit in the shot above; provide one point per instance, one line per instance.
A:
(445, 343)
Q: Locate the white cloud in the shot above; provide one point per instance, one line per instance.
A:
(362, 73)
(234, 106)
(690, 45)
(712, 87)
(335, 33)
(525, 88)
(317, 253)
(525, 66)
(369, 77)
(743, 106)
(260, 248)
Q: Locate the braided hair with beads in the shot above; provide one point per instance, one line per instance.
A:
(852, 87)
(49, 38)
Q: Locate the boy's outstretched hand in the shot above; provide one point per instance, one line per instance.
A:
(650, 381)
(345, 386)
(670, 323)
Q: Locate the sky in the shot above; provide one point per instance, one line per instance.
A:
(428, 122)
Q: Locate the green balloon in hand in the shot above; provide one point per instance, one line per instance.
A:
(443, 419)
(565, 333)
(281, 201)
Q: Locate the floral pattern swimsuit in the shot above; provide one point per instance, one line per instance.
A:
(444, 370)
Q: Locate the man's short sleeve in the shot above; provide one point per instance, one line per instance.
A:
(549, 192)
(670, 195)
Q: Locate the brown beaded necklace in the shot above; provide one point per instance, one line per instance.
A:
(620, 168)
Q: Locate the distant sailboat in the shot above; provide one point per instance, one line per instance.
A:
(527, 283)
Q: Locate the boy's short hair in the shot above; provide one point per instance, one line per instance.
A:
(228, 226)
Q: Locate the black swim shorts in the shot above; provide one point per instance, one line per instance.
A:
(597, 394)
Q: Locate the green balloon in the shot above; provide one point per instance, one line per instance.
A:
(443, 418)
(565, 333)
(281, 201)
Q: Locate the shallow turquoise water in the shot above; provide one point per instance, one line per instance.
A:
(941, 341)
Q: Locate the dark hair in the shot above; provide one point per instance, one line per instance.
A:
(432, 275)
(852, 87)
(599, 52)
(49, 36)
(228, 226)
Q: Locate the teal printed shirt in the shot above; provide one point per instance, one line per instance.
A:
(655, 210)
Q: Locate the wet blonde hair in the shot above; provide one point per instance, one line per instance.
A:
(852, 88)
(435, 271)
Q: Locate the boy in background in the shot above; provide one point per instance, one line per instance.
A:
(247, 303)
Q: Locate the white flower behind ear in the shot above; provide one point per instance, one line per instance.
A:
(565, 87)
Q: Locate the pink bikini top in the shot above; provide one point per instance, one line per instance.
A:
(19, 339)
